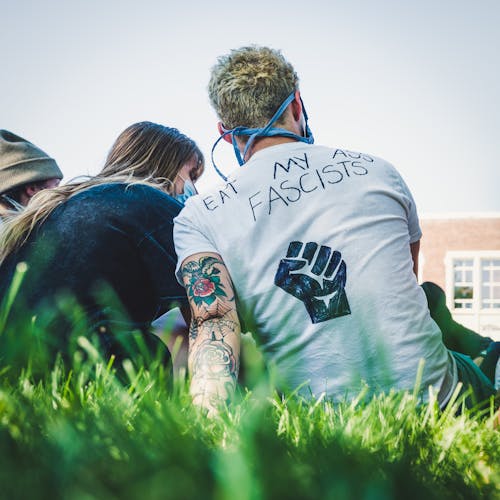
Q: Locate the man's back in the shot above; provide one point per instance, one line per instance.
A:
(317, 243)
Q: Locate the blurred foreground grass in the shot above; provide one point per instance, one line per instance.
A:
(85, 428)
(79, 433)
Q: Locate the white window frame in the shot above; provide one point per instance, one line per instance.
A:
(476, 257)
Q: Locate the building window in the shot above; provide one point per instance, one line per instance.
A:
(463, 284)
(474, 280)
(490, 276)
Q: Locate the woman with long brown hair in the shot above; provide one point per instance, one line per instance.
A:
(100, 252)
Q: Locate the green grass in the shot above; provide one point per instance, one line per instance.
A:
(76, 430)
(80, 433)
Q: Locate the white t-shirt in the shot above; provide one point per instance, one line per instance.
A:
(317, 243)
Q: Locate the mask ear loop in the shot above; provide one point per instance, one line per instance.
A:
(267, 131)
(309, 136)
(233, 132)
(263, 132)
(238, 131)
(227, 132)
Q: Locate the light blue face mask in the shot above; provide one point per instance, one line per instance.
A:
(188, 191)
(267, 131)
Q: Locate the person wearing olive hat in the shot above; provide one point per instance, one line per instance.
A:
(24, 170)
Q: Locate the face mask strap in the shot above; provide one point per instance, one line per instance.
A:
(267, 131)
(264, 132)
(226, 132)
(309, 136)
(238, 131)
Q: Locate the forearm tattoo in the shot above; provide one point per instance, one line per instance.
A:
(214, 332)
(214, 359)
(214, 367)
(193, 329)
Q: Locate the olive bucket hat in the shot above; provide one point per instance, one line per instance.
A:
(21, 162)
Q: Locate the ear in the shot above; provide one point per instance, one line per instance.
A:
(30, 190)
(296, 105)
(228, 137)
(26, 193)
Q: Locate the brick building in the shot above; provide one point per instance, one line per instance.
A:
(461, 253)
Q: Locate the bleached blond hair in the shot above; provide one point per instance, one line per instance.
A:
(248, 85)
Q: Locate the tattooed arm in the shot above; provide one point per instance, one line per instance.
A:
(214, 337)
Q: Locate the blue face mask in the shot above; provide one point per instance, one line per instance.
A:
(267, 131)
(188, 191)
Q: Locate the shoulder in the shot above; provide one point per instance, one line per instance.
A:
(127, 206)
(344, 154)
(133, 190)
(370, 161)
(217, 196)
(132, 194)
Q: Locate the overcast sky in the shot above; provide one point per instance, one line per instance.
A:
(415, 83)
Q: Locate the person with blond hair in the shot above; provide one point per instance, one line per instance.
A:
(313, 249)
(104, 244)
(24, 170)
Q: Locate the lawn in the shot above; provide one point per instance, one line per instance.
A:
(86, 428)
(79, 432)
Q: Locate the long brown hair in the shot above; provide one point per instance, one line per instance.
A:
(145, 152)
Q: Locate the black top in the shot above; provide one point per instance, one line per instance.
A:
(109, 242)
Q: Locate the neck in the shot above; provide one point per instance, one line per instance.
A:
(265, 142)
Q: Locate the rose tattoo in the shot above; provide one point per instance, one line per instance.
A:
(204, 283)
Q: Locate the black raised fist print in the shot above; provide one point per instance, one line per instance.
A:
(317, 277)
